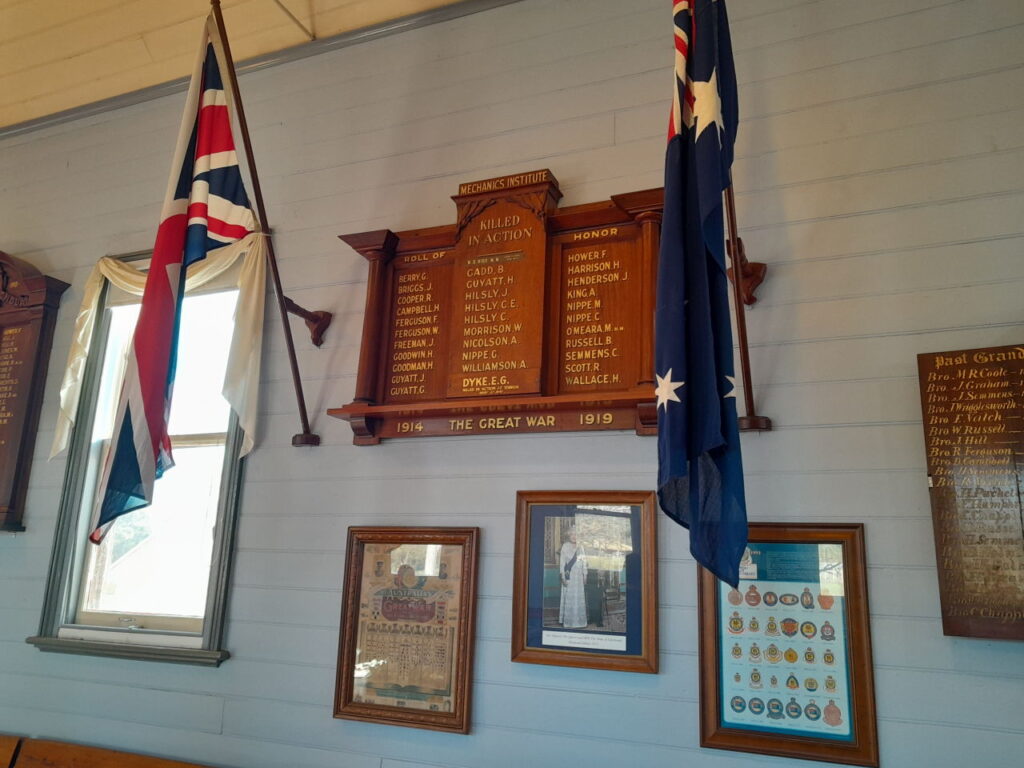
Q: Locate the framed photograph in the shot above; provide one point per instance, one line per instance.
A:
(786, 658)
(586, 585)
(407, 627)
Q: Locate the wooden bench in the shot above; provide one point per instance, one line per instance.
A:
(8, 749)
(37, 753)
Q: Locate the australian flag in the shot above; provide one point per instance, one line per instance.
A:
(205, 208)
(700, 473)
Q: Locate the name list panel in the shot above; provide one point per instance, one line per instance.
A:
(973, 414)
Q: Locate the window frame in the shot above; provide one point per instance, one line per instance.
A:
(63, 582)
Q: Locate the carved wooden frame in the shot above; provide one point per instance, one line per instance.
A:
(345, 705)
(863, 749)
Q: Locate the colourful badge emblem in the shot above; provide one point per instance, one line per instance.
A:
(830, 684)
(737, 703)
(736, 651)
(789, 626)
(753, 597)
(772, 627)
(806, 598)
(774, 682)
(775, 709)
(789, 599)
(812, 711)
(828, 657)
(736, 678)
(770, 598)
(793, 709)
(756, 706)
(773, 654)
(825, 601)
(833, 716)
(754, 625)
(755, 653)
(811, 684)
(734, 597)
(755, 678)
(791, 656)
(808, 629)
(809, 656)
(792, 683)
(736, 624)
(828, 632)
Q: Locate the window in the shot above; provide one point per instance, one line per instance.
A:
(155, 586)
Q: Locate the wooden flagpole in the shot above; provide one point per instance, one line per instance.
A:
(317, 321)
(751, 421)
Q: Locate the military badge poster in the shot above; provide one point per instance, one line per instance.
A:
(790, 647)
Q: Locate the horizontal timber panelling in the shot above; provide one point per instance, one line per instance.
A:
(877, 173)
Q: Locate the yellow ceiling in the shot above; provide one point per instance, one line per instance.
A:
(56, 55)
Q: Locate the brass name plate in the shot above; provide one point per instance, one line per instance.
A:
(973, 407)
(520, 317)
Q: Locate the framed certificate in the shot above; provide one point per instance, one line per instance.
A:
(786, 658)
(585, 584)
(407, 627)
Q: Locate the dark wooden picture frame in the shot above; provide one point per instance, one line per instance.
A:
(843, 648)
(616, 579)
(420, 591)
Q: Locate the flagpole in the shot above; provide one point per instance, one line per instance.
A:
(751, 421)
(306, 437)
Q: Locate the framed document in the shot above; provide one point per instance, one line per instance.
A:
(585, 586)
(407, 627)
(786, 658)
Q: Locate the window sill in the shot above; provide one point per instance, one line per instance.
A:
(197, 656)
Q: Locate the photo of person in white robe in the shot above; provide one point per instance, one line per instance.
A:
(572, 567)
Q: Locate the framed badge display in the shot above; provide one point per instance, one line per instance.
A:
(585, 585)
(786, 657)
(407, 627)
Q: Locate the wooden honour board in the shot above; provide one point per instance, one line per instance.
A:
(520, 317)
(28, 311)
(973, 407)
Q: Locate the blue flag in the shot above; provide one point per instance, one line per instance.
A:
(700, 472)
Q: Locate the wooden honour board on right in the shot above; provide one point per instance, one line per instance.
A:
(972, 403)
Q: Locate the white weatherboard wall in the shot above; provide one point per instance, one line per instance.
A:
(878, 173)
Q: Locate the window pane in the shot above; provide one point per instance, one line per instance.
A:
(157, 560)
(204, 339)
(122, 324)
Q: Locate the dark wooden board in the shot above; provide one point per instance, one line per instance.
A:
(973, 414)
(518, 318)
(28, 309)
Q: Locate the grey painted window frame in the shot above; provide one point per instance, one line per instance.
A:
(66, 556)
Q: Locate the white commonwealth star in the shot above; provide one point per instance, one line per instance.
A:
(666, 389)
(707, 104)
(732, 383)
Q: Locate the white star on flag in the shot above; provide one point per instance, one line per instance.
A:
(666, 389)
(732, 383)
(707, 104)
